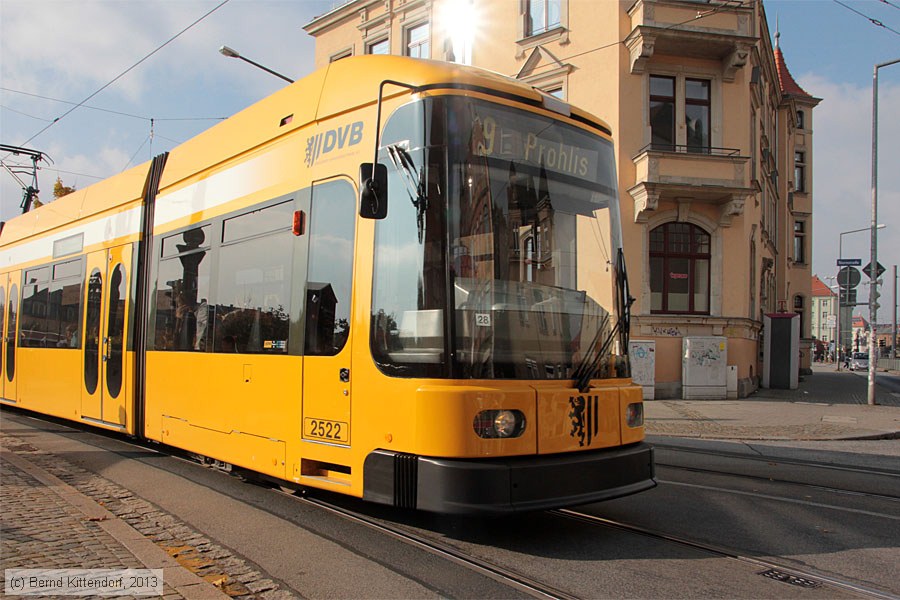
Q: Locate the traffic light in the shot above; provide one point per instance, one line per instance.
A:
(875, 295)
(881, 343)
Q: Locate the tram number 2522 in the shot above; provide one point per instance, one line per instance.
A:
(332, 431)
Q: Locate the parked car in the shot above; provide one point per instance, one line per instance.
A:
(859, 361)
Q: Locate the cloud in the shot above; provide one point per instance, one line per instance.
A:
(62, 47)
(842, 177)
(68, 50)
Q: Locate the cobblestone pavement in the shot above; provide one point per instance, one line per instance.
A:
(827, 405)
(686, 420)
(825, 384)
(40, 529)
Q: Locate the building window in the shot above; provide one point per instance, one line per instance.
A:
(697, 114)
(800, 242)
(801, 120)
(798, 308)
(347, 53)
(800, 171)
(542, 15)
(418, 41)
(679, 269)
(379, 47)
(556, 91)
(662, 112)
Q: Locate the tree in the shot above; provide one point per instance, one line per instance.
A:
(60, 190)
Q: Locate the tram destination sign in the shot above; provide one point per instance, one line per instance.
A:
(849, 262)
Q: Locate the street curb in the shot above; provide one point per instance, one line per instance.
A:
(152, 556)
(890, 435)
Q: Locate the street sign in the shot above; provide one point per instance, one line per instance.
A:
(878, 271)
(849, 262)
(831, 322)
(849, 277)
(848, 297)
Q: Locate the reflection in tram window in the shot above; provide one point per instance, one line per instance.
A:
(330, 269)
(92, 331)
(182, 310)
(51, 304)
(115, 330)
(253, 295)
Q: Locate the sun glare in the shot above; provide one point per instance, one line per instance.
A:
(460, 22)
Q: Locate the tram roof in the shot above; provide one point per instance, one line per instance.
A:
(341, 87)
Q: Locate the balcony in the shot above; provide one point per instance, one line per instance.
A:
(690, 28)
(714, 176)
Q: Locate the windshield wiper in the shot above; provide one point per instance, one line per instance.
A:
(415, 183)
(588, 366)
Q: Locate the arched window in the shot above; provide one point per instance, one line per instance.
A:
(679, 269)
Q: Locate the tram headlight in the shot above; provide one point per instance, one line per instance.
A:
(499, 423)
(634, 414)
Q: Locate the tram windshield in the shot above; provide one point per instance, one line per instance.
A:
(497, 257)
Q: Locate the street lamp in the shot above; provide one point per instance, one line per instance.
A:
(839, 343)
(230, 53)
(873, 291)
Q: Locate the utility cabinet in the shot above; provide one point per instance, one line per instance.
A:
(781, 351)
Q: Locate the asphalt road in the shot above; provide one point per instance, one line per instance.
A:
(755, 504)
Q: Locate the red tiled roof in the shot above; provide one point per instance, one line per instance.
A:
(859, 321)
(819, 288)
(789, 87)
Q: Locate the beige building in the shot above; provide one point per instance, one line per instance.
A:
(823, 317)
(713, 142)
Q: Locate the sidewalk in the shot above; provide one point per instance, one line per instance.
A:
(828, 405)
(48, 524)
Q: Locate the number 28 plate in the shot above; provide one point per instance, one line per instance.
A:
(330, 431)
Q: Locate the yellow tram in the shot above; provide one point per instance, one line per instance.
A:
(396, 279)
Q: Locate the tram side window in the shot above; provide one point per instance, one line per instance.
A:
(182, 291)
(35, 331)
(51, 306)
(252, 302)
(330, 276)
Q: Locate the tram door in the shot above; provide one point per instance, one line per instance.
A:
(329, 284)
(103, 395)
(9, 309)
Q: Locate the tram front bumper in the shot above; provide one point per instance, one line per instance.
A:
(507, 485)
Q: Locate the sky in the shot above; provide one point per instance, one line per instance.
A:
(56, 53)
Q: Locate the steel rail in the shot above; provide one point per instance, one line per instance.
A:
(824, 488)
(500, 574)
(771, 459)
(789, 571)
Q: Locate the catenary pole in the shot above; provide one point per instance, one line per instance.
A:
(873, 265)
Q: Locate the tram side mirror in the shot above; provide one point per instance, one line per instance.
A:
(373, 188)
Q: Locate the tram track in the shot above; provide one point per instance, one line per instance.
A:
(773, 459)
(785, 571)
(819, 487)
(503, 575)
(769, 469)
(776, 570)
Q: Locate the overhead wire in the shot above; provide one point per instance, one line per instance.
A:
(106, 110)
(126, 71)
(141, 147)
(874, 21)
(24, 114)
